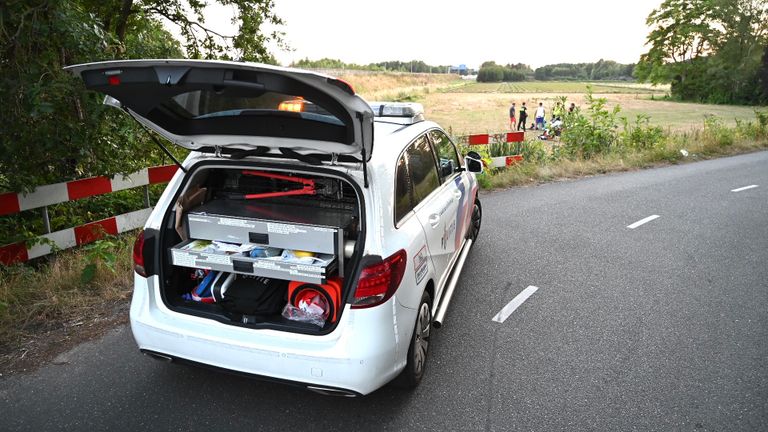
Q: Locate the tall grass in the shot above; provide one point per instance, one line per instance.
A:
(54, 292)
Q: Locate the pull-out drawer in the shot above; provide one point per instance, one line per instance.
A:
(280, 226)
(317, 272)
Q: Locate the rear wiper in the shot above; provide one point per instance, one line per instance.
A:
(308, 159)
(258, 151)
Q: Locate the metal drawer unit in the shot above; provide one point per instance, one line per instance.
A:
(311, 273)
(280, 226)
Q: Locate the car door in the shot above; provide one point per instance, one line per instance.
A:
(453, 177)
(437, 205)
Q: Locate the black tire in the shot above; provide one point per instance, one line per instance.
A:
(475, 221)
(411, 376)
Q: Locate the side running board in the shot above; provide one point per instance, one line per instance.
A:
(442, 308)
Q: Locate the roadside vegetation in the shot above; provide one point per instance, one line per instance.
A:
(74, 295)
(596, 138)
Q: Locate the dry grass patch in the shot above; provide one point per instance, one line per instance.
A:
(51, 297)
(468, 113)
(393, 85)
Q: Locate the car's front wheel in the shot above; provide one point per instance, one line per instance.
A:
(475, 221)
(411, 376)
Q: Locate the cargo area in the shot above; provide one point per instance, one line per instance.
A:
(262, 248)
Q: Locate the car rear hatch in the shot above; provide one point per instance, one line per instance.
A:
(213, 105)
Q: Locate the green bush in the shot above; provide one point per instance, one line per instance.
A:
(535, 151)
(754, 130)
(715, 131)
(640, 135)
(591, 134)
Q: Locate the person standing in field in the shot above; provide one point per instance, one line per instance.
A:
(523, 117)
(558, 111)
(540, 112)
(512, 119)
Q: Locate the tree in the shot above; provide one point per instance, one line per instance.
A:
(709, 50)
(249, 43)
(51, 128)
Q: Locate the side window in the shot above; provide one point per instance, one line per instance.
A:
(446, 154)
(422, 169)
(402, 189)
(415, 176)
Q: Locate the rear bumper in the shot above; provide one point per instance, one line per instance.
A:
(363, 353)
(308, 386)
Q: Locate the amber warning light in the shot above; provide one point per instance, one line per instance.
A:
(293, 105)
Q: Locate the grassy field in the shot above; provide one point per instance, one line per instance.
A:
(465, 113)
(466, 107)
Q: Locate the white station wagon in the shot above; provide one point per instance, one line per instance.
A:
(309, 237)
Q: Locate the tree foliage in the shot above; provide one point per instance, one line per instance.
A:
(415, 66)
(491, 72)
(601, 70)
(709, 50)
(51, 129)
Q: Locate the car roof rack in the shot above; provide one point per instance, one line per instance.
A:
(404, 113)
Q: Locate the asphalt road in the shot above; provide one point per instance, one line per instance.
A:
(661, 327)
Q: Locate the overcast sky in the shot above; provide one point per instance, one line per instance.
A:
(443, 32)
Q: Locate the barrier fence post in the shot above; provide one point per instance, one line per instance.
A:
(46, 220)
(146, 196)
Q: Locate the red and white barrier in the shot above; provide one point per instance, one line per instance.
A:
(70, 237)
(485, 139)
(12, 202)
(481, 139)
(505, 161)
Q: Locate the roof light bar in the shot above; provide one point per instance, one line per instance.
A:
(399, 112)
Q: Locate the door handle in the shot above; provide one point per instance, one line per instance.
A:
(457, 194)
(434, 220)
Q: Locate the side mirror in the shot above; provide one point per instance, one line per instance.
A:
(474, 162)
(446, 168)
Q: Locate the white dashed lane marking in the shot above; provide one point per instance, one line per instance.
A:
(643, 221)
(744, 188)
(507, 310)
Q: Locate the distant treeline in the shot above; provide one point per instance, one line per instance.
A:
(601, 70)
(416, 66)
(491, 72)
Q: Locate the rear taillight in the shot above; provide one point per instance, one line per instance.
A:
(378, 282)
(138, 255)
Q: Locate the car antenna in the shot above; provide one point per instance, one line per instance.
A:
(159, 144)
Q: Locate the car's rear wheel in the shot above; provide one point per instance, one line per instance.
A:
(411, 376)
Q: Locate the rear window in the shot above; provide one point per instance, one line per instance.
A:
(201, 104)
(191, 101)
